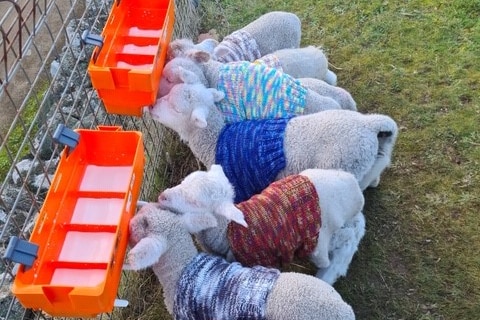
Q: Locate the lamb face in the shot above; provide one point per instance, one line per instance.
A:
(169, 114)
(199, 192)
(186, 104)
(171, 75)
(146, 239)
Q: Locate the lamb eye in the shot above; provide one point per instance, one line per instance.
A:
(176, 108)
(145, 224)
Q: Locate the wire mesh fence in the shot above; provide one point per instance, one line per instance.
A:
(44, 82)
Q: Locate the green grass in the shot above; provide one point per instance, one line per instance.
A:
(418, 62)
(14, 141)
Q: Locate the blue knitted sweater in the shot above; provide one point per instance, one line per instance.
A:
(251, 154)
(210, 288)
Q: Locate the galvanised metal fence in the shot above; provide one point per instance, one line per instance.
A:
(44, 82)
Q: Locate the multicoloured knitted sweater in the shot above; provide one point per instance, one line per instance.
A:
(240, 46)
(283, 223)
(210, 288)
(256, 91)
(271, 61)
(251, 154)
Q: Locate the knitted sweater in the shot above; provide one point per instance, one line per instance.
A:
(283, 223)
(256, 91)
(251, 154)
(271, 61)
(240, 45)
(210, 288)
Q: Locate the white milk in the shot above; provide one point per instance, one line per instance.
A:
(97, 211)
(107, 179)
(94, 247)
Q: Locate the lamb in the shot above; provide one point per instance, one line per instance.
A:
(268, 150)
(270, 32)
(306, 62)
(179, 47)
(248, 82)
(286, 98)
(295, 217)
(160, 240)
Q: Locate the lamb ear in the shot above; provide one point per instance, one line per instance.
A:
(199, 117)
(217, 95)
(146, 253)
(207, 45)
(219, 52)
(197, 222)
(187, 76)
(198, 56)
(176, 48)
(229, 211)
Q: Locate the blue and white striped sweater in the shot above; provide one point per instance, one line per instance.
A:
(210, 288)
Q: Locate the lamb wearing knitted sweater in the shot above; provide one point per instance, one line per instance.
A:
(295, 217)
(257, 152)
(268, 33)
(251, 83)
(270, 98)
(306, 62)
(199, 286)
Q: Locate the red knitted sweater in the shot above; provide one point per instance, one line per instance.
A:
(283, 223)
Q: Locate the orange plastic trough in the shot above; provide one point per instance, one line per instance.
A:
(82, 227)
(125, 70)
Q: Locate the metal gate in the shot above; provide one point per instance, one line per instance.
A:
(44, 82)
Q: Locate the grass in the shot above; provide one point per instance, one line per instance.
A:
(418, 62)
(13, 143)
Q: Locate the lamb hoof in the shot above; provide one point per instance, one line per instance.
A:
(374, 183)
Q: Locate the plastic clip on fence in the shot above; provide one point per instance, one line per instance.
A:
(21, 251)
(82, 227)
(128, 60)
(66, 136)
(92, 39)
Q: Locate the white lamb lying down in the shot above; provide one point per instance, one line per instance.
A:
(247, 80)
(267, 102)
(295, 217)
(198, 286)
(270, 32)
(255, 153)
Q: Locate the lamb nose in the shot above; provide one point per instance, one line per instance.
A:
(162, 197)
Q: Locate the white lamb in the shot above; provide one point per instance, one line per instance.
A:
(270, 32)
(199, 286)
(295, 217)
(306, 62)
(246, 82)
(267, 102)
(271, 149)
